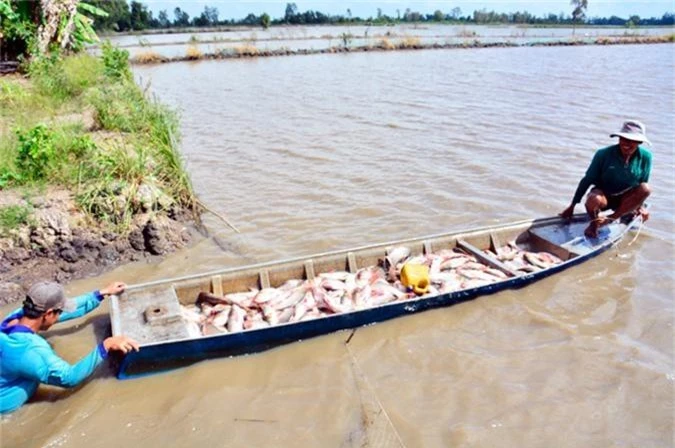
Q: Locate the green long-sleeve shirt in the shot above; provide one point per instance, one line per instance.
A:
(612, 175)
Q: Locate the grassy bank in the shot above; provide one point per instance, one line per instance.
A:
(82, 124)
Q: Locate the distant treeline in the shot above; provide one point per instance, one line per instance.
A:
(135, 16)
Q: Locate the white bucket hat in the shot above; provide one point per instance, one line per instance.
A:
(633, 130)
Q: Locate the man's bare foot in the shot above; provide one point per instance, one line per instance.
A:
(592, 230)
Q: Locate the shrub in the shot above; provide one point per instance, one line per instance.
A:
(193, 52)
(13, 216)
(8, 177)
(147, 57)
(36, 152)
(46, 75)
(115, 61)
(61, 78)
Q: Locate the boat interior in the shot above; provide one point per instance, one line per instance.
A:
(152, 312)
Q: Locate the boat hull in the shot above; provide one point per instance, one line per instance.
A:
(157, 356)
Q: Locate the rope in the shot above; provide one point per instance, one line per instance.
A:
(224, 219)
(642, 223)
(372, 390)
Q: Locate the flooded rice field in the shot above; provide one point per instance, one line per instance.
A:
(324, 37)
(327, 152)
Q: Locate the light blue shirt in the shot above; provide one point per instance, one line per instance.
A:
(27, 359)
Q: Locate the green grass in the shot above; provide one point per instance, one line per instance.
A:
(13, 216)
(44, 139)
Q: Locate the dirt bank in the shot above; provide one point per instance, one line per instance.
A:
(60, 243)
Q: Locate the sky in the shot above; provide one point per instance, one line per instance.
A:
(238, 9)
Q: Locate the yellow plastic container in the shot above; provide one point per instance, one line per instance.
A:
(416, 277)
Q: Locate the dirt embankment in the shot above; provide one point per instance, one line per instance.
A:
(250, 51)
(60, 243)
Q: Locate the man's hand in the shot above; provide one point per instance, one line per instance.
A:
(568, 212)
(644, 213)
(113, 288)
(120, 343)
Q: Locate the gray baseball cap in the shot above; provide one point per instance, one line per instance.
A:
(45, 295)
(633, 130)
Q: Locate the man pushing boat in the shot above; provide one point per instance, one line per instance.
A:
(619, 174)
(26, 359)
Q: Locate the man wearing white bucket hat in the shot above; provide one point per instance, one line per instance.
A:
(27, 359)
(619, 174)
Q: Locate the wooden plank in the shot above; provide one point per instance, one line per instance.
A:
(487, 259)
(217, 285)
(351, 262)
(309, 270)
(495, 244)
(427, 248)
(544, 245)
(264, 279)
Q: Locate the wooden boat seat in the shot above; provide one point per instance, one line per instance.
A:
(487, 259)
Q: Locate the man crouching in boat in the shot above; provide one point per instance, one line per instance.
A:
(26, 359)
(619, 174)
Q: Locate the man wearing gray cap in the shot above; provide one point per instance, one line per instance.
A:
(619, 174)
(27, 359)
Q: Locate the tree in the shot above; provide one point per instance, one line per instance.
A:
(210, 15)
(250, 19)
(17, 27)
(456, 12)
(634, 21)
(140, 16)
(67, 24)
(265, 20)
(163, 20)
(119, 15)
(291, 12)
(579, 12)
(438, 15)
(181, 18)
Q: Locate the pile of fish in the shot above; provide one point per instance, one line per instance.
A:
(519, 260)
(341, 292)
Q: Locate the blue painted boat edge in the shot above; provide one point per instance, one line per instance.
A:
(191, 351)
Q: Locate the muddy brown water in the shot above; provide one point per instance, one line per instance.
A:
(308, 154)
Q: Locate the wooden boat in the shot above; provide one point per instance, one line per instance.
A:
(151, 313)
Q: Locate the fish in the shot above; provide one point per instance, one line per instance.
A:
(534, 259)
(454, 262)
(337, 275)
(476, 274)
(244, 300)
(220, 319)
(332, 285)
(299, 311)
(265, 295)
(270, 314)
(361, 297)
(291, 298)
(397, 255)
(235, 322)
(338, 292)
